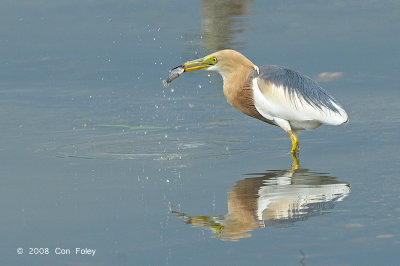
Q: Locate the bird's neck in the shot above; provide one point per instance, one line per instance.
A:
(235, 81)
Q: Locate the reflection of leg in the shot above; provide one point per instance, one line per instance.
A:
(295, 141)
(295, 161)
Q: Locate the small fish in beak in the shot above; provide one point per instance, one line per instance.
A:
(173, 74)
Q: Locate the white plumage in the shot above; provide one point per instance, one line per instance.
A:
(275, 104)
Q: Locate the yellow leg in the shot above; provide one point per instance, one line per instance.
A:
(295, 162)
(295, 142)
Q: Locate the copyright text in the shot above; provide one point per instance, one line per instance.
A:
(58, 251)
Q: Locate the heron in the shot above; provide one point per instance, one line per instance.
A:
(273, 94)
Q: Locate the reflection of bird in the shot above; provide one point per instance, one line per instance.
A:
(273, 94)
(274, 198)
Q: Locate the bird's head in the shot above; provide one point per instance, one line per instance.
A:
(224, 62)
(205, 63)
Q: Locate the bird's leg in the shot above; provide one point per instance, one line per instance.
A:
(295, 162)
(284, 124)
(295, 142)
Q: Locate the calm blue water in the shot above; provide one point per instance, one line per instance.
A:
(97, 154)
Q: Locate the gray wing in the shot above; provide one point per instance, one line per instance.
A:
(297, 84)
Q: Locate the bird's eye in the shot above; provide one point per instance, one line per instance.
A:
(215, 60)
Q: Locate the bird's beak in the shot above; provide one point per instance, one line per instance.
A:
(198, 64)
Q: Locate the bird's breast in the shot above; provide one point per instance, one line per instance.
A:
(242, 99)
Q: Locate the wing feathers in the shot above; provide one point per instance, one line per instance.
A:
(287, 94)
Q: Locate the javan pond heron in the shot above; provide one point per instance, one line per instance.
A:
(276, 95)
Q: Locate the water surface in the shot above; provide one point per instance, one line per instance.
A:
(97, 154)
